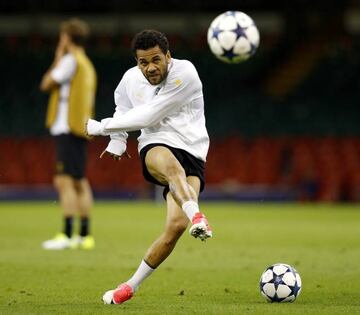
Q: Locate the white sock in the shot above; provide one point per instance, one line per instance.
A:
(140, 275)
(190, 208)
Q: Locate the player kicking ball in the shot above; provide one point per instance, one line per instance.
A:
(163, 98)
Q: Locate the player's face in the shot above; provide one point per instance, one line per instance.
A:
(153, 63)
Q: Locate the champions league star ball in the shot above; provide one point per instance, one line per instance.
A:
(280, 283)
(233, 37)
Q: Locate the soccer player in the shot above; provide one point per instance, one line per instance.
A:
(71, 81)
(163, 98)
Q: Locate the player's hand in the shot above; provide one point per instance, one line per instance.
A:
(94, 128)
(115, 157)
(60, 51)
(86, 131)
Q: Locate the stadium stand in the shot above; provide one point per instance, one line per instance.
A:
(326, 169)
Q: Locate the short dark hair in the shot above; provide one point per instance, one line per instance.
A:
(77, 29)
(148, 39)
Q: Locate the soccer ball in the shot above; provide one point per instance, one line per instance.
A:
(280, 283)
(233, 37)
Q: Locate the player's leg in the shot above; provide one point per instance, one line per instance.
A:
(84, 197)
(65, 187)
(85, 203)
(176, 223)
(165, 168)
(200, 226)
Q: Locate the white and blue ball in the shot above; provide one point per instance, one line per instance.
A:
(233, 37)
(280, 283)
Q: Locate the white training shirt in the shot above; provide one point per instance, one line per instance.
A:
(62, 74)
(171, 113)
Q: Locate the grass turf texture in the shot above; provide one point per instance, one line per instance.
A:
(217, 277)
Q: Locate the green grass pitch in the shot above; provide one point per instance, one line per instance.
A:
(219, 276)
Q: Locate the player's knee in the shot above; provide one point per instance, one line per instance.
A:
(172, 235)
(177, 227)
(174, 171)
(63, 182)
(82, 185)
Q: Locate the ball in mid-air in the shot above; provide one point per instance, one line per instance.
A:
(233, 37)
(280, 283)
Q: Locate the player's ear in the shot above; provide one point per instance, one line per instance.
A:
(168, 56)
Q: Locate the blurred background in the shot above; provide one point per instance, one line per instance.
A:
(284, 125)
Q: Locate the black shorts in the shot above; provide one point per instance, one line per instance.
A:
(70, 155)
(191, 165)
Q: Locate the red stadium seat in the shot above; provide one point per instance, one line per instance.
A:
(331, 164)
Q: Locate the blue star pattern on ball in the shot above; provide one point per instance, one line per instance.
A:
(233, 37)
(229, 54)
(239, 31)
(280, 283)
(216, 32)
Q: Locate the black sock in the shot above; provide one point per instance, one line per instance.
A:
(68, 226)
(84, 226)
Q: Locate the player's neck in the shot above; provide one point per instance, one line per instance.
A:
(75, 48)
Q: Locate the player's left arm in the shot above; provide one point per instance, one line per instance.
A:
(47, 82)
(181, 87)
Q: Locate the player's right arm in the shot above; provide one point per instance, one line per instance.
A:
(182, 86)
(48, 82)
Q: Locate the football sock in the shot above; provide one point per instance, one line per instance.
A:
(190, 208)
(143, 271)
(84, 226)
(68, 226)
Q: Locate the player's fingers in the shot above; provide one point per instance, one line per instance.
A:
(86, 132)
(115, 157)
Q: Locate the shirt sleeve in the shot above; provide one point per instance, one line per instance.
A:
(65, 69)
(180, 88)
